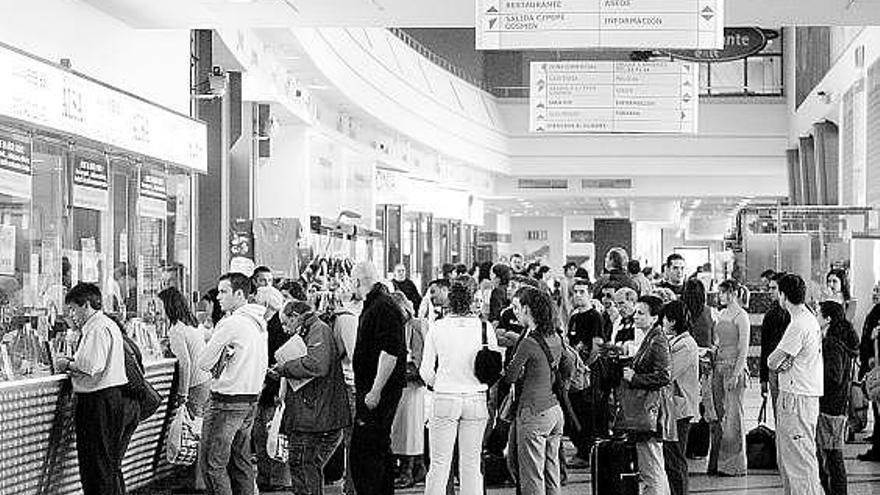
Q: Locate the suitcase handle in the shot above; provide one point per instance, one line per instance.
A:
(762, 414)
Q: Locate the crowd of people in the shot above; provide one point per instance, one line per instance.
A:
(387, 374)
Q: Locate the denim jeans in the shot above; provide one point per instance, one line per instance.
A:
(348, 483)
(269, 471)
(650, 457)
(226, 441)
(538, 437)
(462, 417)
(309, 452)
(675, 461)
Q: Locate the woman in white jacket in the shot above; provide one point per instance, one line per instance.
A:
(685, 390)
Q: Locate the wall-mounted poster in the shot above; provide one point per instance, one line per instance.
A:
(15, 168)
(7, 250)
(90, 184)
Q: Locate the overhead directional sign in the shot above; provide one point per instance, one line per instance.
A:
(563, 24)
(614, 97)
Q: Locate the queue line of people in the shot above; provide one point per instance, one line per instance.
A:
(390, 377)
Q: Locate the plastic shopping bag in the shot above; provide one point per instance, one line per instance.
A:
(276, 442)
(182, 443)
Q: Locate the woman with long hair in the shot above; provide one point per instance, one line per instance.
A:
(407, 430)
(685, 377)
(693, 296)
(187, 340)
(649, 371)
(840, 347)
(728, 452)
(539, 419)
(837, 284)
(458, 410)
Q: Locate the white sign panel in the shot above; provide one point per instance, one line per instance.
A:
(560, 24)
(44, 94)
(613, 97)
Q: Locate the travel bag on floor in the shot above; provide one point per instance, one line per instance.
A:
(698, 440)
(334, 470)
(614, 467)
(761, 443)
(495, 469)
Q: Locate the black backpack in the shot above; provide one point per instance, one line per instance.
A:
(138, 388)
(488, 363)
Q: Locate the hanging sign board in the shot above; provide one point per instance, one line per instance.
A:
(7, 249)
(153, 198)
(42, 93)
(15, 167)
(572, 24)
(613, 97)
(90, 184)
(739, 43)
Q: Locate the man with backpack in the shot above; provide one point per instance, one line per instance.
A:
(105, 418)
(237, 356)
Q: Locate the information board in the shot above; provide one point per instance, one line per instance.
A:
(571, 24)
(614, 97)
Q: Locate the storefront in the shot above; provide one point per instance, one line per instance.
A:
(95, 186)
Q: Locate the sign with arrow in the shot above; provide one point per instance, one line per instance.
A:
(573, 24)
(614, 97)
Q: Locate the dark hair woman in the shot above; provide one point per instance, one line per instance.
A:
(728, 455)
(649, 372)
(685, 377)
(693, 295)
(837, 283)
(459, 409)
(498, 299)
(187, 340)
(539, 419)
(839, 348)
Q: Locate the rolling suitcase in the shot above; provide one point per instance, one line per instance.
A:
(614, 467)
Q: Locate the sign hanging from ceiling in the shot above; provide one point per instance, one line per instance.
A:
(572, 24)
(614, 97)
(739, 43)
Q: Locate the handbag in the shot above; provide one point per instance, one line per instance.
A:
(488, 362)
(761, 443)
(507, 409)
(639, 409)
(182, 441)
(276, 441)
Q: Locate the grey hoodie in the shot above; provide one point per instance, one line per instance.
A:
(244, 334)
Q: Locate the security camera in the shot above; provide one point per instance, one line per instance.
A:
(217, 71)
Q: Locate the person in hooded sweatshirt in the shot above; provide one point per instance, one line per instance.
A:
(840, 346)
(237, 356)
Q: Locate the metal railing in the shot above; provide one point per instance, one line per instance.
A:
(437, 59)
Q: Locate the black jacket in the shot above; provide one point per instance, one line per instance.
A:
(410, 291)
(773, 326)
(839, 350)
(866, 348)
(277, 337)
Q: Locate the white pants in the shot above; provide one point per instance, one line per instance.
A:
(652, 468)
(461, 416)
(796, 421)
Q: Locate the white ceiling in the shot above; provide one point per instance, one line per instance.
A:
(434, 13)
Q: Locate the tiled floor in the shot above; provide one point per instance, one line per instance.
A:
(864, 477)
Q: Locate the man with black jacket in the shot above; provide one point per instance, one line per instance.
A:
(866, 353)
(379, 371)
(773, 326)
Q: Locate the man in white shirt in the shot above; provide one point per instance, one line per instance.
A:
(238, 357)
(798, 360)
(105, 418)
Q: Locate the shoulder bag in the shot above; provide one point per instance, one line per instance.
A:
(488, 362)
